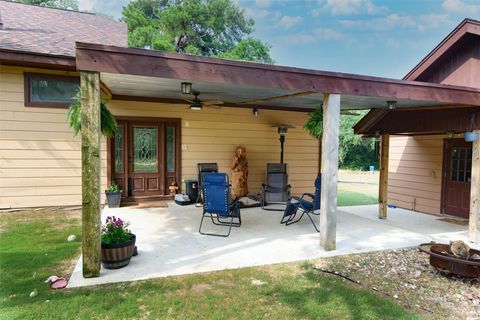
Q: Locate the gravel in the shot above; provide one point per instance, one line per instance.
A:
(406, 276)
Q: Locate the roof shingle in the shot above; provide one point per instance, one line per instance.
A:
(54, 31)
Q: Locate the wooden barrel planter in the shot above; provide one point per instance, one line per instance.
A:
(115, 256)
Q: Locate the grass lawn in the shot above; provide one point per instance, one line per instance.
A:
(357, 188)
(33, 246)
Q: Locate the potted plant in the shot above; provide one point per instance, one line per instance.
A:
(114, 195)
(471, 136)
(118, 243)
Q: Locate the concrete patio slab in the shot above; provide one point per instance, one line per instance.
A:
(169, 243)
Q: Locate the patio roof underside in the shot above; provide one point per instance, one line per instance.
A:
(146, 75)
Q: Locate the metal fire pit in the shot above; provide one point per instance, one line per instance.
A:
(441, 258)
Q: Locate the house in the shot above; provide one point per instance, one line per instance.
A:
(430, 167)
(164, 132)
(40, 161)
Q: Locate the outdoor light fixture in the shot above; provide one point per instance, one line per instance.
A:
(186, 87)
(255, 112)
(391, 104)
(450, 134)
(282, 130)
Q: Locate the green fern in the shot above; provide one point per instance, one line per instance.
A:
(314, 125)
(107, 120)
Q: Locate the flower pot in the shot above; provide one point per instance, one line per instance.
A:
(115, 256)
(113, 198)
(470, 136)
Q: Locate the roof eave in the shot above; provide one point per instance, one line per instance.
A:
(37, 60)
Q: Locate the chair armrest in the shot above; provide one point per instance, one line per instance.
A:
(309, 195)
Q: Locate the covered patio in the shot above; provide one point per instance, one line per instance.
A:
(169, 243)
(145, 75)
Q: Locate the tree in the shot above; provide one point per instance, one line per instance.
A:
(209, 28)
(62, 4)
(250, 49)
(354, 152)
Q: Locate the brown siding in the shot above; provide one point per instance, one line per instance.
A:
(459, 66)
(415, 172)
(40, 157)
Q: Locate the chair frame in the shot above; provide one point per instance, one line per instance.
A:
(301, 204)
(267, 188)
(226, 220)
(200, 171)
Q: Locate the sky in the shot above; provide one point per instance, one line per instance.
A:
(369, 37)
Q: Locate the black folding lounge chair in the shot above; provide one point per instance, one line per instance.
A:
(202, 168)
(218, 204)
(306, 207)
(276, 190)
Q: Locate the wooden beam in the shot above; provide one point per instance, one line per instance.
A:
(90, 120)
(106, 90)
(150, 63)
(383, 185)
(474, 218)
(285, 96)
(330, 138)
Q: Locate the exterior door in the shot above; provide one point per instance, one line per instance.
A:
(144, 157)
(458, 177)
(144, 160)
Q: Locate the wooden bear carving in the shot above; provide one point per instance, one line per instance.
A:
(239, 176)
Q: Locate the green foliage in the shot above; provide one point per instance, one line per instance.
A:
(107, 120)
(113, 188)
(208, 28)
(115, 231)
(62, 4)
(355, 152)
(314, 124)
(250, 49)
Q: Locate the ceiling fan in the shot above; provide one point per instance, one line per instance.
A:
(197, 104)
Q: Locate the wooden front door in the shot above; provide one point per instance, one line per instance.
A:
(144, 157)
(457, 177)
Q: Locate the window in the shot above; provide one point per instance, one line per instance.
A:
(47, 90)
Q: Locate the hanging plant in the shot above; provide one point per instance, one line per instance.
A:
(314, 125)
(107, 120)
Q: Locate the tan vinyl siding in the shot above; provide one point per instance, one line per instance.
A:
(415, 172)
(211, 135)
(40, 157)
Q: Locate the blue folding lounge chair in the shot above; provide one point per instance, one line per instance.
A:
(202, 168)
(306, 207)
(218, 204)
(276, 189)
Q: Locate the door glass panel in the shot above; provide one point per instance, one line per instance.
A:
(170, 149)
(118, 145)
(145, 150)
(461, 167)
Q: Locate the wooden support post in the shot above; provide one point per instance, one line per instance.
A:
(474, 219)
(328, 210)
(90, 120)
(383, 185)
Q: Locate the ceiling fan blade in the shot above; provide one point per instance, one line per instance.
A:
(213, 106)
(211, 102)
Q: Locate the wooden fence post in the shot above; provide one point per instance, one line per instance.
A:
(383, 185)
(330, 138)
(90, 120)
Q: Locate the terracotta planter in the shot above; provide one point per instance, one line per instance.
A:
(115, 256)
(113, 199)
